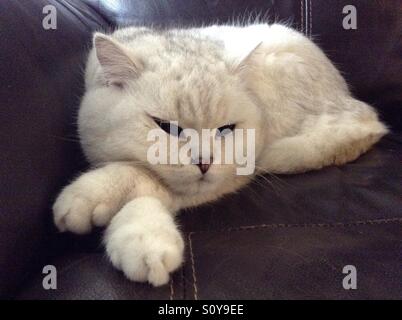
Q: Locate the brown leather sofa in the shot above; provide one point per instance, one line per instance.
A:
(286, 238)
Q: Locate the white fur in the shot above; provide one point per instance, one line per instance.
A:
(143, 241)
(268, 78)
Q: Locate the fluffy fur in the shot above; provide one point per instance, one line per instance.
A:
(268, 78)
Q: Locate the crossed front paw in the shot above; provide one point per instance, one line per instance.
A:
(147, 255)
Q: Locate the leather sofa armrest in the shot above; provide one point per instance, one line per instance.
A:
(40, 76)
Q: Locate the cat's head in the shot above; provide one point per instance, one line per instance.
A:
(137, 86)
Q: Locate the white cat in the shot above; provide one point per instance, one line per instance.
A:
(268, 78)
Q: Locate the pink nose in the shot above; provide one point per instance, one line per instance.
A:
(204, 167)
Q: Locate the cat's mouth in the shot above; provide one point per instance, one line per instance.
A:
(204, 179)
(205, 183)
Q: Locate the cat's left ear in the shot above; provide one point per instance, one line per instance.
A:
(248, 60)
(118, 63)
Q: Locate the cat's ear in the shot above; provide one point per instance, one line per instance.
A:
(117, 63)
(248, 60)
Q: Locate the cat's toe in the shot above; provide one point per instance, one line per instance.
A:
(79, 208)
(158, 274)
(102, 214)
(72, 213)
(160, 265)
(76, 213)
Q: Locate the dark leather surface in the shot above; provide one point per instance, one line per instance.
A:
(288, 238)
(40, 76)
(288, 253)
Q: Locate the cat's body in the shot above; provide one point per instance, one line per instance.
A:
(268, 78)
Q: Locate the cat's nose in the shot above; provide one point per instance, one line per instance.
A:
(204, 167)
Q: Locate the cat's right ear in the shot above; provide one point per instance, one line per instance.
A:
(118, 63)
(248, 60)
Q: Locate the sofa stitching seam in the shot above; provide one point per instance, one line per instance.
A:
(193, 266)
(306, 17)
(171, 296)
(311, 225)
(302, 15)
(183, 283)
(277, 226)
(311, 18)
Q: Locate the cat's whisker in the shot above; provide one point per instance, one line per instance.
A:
(278, 179)
(250, 187)
(65, 138)
(270, 183)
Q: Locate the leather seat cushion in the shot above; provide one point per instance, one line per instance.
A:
(290, 244)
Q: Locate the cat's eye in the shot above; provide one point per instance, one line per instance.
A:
(225, 130)
(168, 127)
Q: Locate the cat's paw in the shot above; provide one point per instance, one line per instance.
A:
(80, 206)
(146, 249)
(146, 257)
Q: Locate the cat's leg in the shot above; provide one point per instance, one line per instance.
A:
(143, 241)
(96, 196)
(327, 139)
